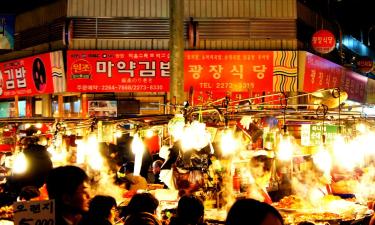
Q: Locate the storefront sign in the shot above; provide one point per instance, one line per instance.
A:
(365, 64)
(312, 134)
(34, 212)
(118, 71)
(236, 71)
(323, 41)
(355, 85)
(35, 75)
(321, 73)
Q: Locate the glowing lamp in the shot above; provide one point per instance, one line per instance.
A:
(138, 149)
(285, 148)
(20, 164)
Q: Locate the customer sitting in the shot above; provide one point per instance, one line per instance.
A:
(190, 211)
(244, 211)
(102, 211)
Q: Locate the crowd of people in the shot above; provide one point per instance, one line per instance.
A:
(68, 186)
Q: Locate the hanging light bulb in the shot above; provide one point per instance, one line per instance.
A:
(138, 149)
(323, 160)
(20, 164)
(285, 148)
(228, 142)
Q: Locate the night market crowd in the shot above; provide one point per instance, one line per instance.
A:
(69, 187)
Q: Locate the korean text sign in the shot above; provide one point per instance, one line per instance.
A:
(26, 76)
(118, 71)
(236, 71)
(321, 73)
(34, 213)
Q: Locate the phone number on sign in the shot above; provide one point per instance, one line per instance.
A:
(120, 88)
(227, 85)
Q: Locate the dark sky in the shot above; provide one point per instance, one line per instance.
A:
(18, 6)
(353, 15)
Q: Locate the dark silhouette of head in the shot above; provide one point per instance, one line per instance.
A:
(190, 209)
(101, 205)
(245, 210)
(142, 202)
(62, 181)
(143, 218)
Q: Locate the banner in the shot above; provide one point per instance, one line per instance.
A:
(355, 85)
(118, 71)
(237, 71)
(35, 75)
(320, 73)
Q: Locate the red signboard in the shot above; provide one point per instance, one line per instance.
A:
(221, 71)
(321, 73)
(118, 71)
(365, 64)
(27, 76)
(323, 41)
(355, 85)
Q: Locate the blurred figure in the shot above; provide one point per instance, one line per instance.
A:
(156, 165)
(102, 211)
(39, 164)
(132, 182)
(141, 210)
(143, 218)
(68, 186)
(190, 211)
(259, 213)
(29, 193)
(142, 202)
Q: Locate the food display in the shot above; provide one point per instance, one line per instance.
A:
(329, 208)
(6, 213)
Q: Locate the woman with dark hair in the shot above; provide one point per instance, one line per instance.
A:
(251, 211)
(141, 210)
(190, 211)
(142, 202)
(102, 211)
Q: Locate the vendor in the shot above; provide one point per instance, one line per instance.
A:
(260, 168)
(132, 182)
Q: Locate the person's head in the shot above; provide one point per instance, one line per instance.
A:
(190, 209)
(128, 167)
(143, 218)
(29, 193)
(102, 206)
(142, 202)
(156, 165)
(259, 213)
(68, 186)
